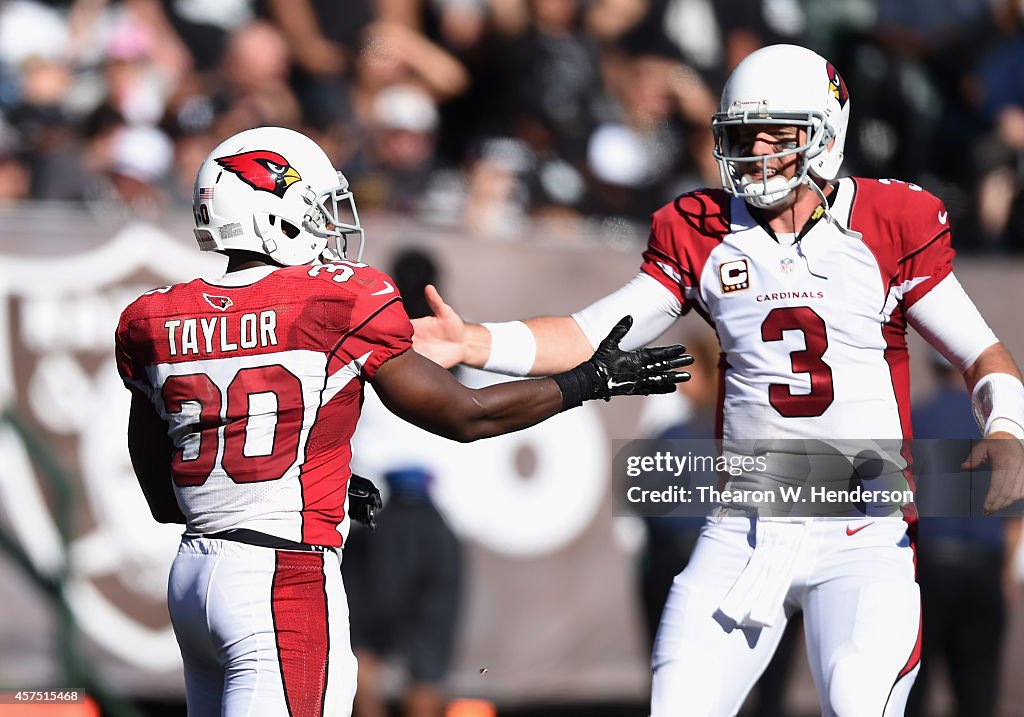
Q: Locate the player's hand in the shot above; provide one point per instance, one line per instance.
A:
(363, 501)
(640, 372)
(1005, 455)
(441, 337)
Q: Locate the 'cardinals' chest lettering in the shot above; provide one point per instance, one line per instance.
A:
(209, 335)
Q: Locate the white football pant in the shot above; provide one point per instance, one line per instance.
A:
(261, 631)
(861, 611)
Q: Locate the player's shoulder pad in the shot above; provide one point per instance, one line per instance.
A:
(145, 305)
(896, 190)
(354, 278)
(703, 211)
(913, 214)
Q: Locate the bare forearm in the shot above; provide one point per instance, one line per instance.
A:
(150, 449)
(402, 12)
(995, 359)
(295, 19)
(507, 407)
(477, 345)
(157, 487)
(427, 396)
(561, 345)
(420, 391)
(440, 71)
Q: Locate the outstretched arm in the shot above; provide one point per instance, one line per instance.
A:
(426, 395)
(557, 341)
(421, 392)
(548, 344)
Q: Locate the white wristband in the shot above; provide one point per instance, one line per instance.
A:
(998, 403)
(513, 348)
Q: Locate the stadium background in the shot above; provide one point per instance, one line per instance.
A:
(522, 144)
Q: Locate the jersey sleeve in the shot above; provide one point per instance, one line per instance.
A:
(683, 233)
(663, 263)
(125, 351)
(907, 229)
(949, 321)
(653, 308)
(927, 254)
(378, 328)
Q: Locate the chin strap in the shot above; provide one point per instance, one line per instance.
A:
(852, 233)
(823, 208)
(800, 253)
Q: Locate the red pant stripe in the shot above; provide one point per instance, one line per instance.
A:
(299, 605)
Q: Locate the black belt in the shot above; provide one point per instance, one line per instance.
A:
(262, 540)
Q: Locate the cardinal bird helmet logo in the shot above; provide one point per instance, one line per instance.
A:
(836, 84)
(262, 169)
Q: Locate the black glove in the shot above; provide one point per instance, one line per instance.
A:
(363, 501)
(614, 372)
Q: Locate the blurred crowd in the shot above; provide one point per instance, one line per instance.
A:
(498, 116)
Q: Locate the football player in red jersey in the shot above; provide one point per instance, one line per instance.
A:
(245, 393)
(810, 282)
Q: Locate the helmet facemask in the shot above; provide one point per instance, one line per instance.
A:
(785, 85)
(333, 216)
(735, 168)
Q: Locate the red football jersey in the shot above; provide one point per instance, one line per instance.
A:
(260, 379)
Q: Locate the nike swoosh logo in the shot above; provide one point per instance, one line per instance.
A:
(854, 531)
(386, 290)
(942, 217)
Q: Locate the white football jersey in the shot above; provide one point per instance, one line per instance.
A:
(813, 331)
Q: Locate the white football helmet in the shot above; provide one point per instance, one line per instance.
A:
(782, 85)
(273, 191)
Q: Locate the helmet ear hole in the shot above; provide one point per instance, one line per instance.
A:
(289, 229)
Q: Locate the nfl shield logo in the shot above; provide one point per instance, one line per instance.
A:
(786, 266)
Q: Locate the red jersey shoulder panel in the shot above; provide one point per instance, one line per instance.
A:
(907, 229)
(683, 234)
(897, 219)
(377, 327)
(130, 360)
(293, 308)
(356, 307)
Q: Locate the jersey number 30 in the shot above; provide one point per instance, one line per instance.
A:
(809, 361)
(242, 462)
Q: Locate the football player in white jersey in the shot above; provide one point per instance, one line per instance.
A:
(246, 390)
(810, 282)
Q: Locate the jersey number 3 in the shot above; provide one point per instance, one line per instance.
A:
(809, 361)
